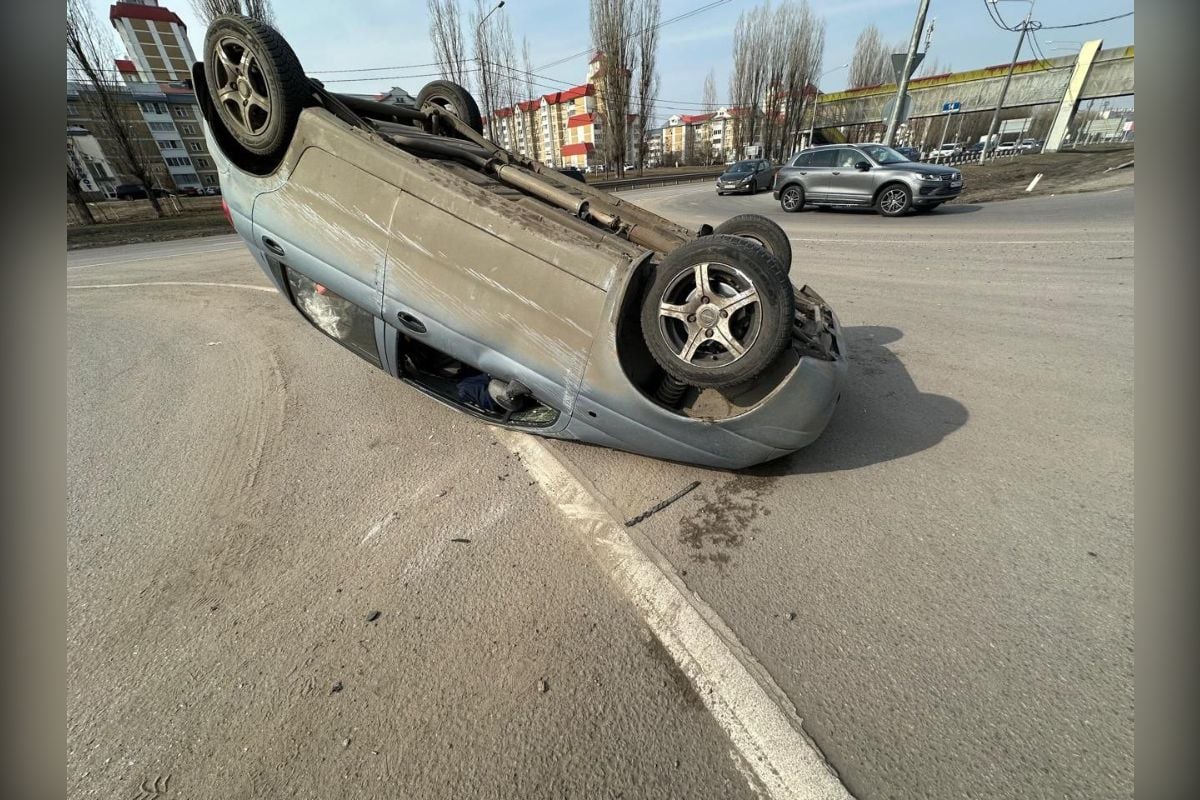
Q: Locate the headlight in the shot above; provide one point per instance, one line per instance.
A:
(931, 176)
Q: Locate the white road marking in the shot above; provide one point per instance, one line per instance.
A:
(740, 695)
(961, 242)
(171, 283)
(160, 255)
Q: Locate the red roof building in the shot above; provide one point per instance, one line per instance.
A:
(139, 11)
(578, 149)
(580, 119)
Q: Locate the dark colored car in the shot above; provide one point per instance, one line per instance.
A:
(746, 176)
(573, 172)
(136, 191)
(864, 175)
(911, 153)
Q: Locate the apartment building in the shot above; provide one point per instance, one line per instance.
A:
(563, 128)
(156, 78)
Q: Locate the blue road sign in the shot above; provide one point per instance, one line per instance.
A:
(951, 107)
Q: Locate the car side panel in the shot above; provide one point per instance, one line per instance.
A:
(538, 319)
(332, 220)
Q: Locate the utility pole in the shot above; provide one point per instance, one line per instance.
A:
(1004, 87)
(913, 43)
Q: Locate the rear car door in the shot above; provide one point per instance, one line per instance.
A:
(846, 183)
(817, 175)
(325, 228)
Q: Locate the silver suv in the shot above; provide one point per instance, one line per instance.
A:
(864, 175)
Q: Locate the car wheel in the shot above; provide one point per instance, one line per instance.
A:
(455, 99)
(894, 200)
(256, 84)
(791, 199)
(763, 232)
(719, 311)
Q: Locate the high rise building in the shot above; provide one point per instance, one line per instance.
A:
(155, 39)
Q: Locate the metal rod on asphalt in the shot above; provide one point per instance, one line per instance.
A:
(1004, 87)
(902, 89)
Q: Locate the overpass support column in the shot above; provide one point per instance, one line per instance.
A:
(1070, 100)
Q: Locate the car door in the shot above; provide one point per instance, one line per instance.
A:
(324, 233)
(815, 175)
(847, 184)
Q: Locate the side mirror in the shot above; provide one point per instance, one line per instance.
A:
(862, 166)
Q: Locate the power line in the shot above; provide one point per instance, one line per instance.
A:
(1089, 22)
(662, 24)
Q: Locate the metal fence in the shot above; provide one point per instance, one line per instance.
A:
(647, 181)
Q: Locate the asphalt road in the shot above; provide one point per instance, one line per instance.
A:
(942, 585)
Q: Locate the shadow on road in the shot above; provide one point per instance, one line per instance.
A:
(882, 415)
(942, 210)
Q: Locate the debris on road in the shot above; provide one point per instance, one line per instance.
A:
(660, 506)
(374, 615)
(791, 616)
(542, 686)
(461, 540)
(337, 687)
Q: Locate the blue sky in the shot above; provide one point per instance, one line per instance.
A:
(393, 33)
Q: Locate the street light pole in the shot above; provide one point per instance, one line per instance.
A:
(483, 68)
(901, 90)
(812, 121)
(1004, 87)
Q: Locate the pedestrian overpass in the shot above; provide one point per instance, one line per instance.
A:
(1064, 81)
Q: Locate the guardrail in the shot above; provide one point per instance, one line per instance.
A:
(646, 181)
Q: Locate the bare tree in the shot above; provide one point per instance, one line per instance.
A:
(208, 10)
(90, 54)
(748, 80)
(612, 27)
(75, 193)
(647, 17)
(934, 67)
(871, 63)
(708, 103)
(445, 30)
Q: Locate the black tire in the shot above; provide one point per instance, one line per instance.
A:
(763, 232)
(257, 85)
(696, 284)
(455, 99)
(894, 200)
(791, 198)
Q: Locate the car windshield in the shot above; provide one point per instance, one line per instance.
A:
(884, 155)
(742, 166)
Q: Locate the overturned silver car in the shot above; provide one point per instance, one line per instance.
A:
(503, 288)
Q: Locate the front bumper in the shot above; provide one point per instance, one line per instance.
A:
(728, 186)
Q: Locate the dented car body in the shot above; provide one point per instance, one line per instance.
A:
(432, 253)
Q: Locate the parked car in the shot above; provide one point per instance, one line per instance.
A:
(501, 287)
(1006, 148)
(947, 149)
(574, 173)
(1031, 145)
(864, 175)
(746, 176)
(211, 190)
(977, 147)
(911, 153)
(136, 191)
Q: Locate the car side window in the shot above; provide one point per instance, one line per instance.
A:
(823, 158)
(335, 316)
(848, 158)
(802, 160)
